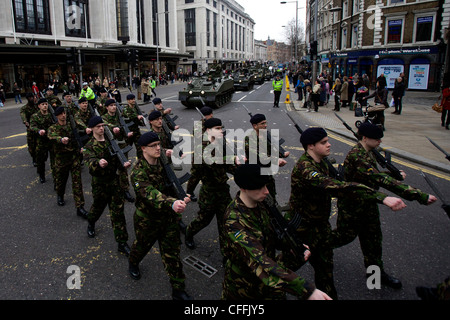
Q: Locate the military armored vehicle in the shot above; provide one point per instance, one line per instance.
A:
(258, 73)
(244, 79)
(214, 89)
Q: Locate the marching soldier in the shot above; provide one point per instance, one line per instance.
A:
(362, 218)
(67, 160)
(253, 270)
(101, 100)
(155, 119)
(39, 124)
(159, 106)
(111, 119)
(25, 114)
(255, 146)
(130, 112)
(311, 190)
(105, 171)
(157, 216)
(68, 103)
(53, 100)
(82, 115)
(214, 195)
(199, 127)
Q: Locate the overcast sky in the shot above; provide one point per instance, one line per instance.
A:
(270, 16)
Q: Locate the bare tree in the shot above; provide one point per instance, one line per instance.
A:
(290, 33)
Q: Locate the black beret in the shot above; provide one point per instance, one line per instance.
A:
(41, 100)
(157, 101)
(131, 96)
(370, 130)
(148, 138)
(206, 111)
(82, 99)
(213, 122)
(95, 120)
(109, 101)
(248, 176)
(257, 118)
(59, 110)
(312, 135)
(155, 114)
(66, 94)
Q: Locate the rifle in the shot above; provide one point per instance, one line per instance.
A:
(174, 181)
(384, 162)
(269, 138)
(139, 112)
(76, 134)
(114, 149)
(445, 205)
(336, 173)
(126, 126)
(286, 231)
(447, 156)
(50, 109)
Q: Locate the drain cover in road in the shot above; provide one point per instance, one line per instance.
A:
(200, 266)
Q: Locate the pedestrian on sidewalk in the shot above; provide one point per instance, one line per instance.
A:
(397, 94)
(344, 92)
(308, 98)
(337, 94)
(445, 103)
(17, 90)
(315, 97)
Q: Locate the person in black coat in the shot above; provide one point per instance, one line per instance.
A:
(397, 94)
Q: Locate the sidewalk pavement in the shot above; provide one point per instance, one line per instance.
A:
(406, 134)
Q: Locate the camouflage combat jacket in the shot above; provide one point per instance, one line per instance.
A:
(153, 196)
(94, 151)
(55, 133)
(112, 122)
(312, 189)
(130, 112)
(27, 111)
(361, 166)
(253, 270)
(39, 121)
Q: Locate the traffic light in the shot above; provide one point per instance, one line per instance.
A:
(313, 50)
(71, 56)
(134, 57)
(128, 56)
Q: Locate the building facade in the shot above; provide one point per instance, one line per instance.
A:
(381, 36)
(34, 36)
(214, 30)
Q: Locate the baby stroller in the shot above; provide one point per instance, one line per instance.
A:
(369, 113)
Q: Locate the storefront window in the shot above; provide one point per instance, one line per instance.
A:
(76, 15)
(32, 16)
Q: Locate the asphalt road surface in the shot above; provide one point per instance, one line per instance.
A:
(43, 243)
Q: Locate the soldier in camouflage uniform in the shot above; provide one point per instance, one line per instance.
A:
(111, 119)
(105, 171)
(53, 100)
(199, 128)
(157, 215)
(39, 124)
(311, 190)
(258, 139)
(362, 219)
(101, 100)
(130, 112)
(82, 115)
(155, 119)
(68, 103)
(214, 196)
(25, 114)
(253, 270)
(67, 160)
(159, 106)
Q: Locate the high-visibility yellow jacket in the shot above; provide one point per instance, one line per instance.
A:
(277, 85)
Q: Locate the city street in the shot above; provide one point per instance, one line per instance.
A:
(41, 240)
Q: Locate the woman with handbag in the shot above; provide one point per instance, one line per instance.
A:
(445, 104)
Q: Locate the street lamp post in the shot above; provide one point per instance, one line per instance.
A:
(296, 27)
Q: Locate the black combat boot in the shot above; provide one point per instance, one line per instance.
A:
(91, 229)
(390, 281)
(124, 248)
(42, 178)
(180, 295)
(189, 240)
(60, 200)
(133, 269)
(81, 212)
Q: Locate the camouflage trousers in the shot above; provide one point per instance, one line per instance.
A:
(363, 223)
(164, 228)
(317, 236)
(108, 193)
(31, 143)
(43, 149)
(212, 202)
(65, 165)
